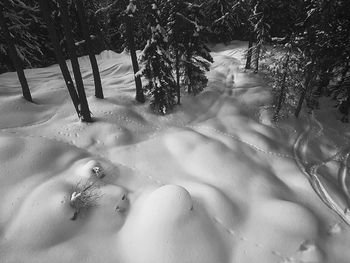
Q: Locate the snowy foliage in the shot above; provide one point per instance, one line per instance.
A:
(196, 54)
(190, 54)
(176, 55)
(157, 66)
(293, 77)
(22, 17)
(223, 19)
(131, 8)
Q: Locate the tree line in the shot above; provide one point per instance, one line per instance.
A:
(309, 39)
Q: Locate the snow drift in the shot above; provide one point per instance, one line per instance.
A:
(213, 181)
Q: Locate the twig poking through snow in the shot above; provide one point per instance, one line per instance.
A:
(85, 195)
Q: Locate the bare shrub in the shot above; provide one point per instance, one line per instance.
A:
(85, 195)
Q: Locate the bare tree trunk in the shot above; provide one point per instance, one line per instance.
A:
(85, 111)
(177, 76)
(307, 79)
(282, 95)
(325, 78)
(249, 53)
(257, 56)
(93, 61)
(46, 12)
(16, 61)
(188, 70)
(140, 97)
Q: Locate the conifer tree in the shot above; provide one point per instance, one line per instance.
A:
(223, 19)
(196, 54)
(283, 82)
(157, 65)
(245, 12)
(188, 49)
(260, 21)
(176, 29)
(23, 20)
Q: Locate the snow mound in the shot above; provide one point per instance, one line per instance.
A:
(214, 181)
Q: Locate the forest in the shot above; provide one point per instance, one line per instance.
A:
(167, 131)
(306, 44)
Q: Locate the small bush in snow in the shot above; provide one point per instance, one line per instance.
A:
(85, 195)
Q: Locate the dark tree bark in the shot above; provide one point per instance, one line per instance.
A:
(325, 78)
(140, 97)
(46, 12)
(188, 69)
(177, 69)
(86, 34)
(307, 79)
(282, 95)
(249, 53)
(16, 61)
(257, 57)
(346, 84)
(85, 111)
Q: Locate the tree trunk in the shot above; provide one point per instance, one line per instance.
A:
(177, 76)
(346, 81)
(140, 97)
(282, 95)
(46, 12)
(348, 92)
(16, 61)
(249, 53)
(85, 111)
(307, 79)
(86, 34)
(257, 56)
(188, 70)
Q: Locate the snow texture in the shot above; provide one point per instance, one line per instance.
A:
(215, 181)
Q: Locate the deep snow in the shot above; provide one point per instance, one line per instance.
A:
(214, 181)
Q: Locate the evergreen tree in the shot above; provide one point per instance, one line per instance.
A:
(22, 20)
(157, 65)
(176, 28)
(196, 55)
(223, 19)
(260, 22)
(308, 43)
(250, 18)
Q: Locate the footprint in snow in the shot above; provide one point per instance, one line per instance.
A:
(308, 252)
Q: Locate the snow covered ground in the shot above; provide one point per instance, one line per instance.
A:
(214, 181)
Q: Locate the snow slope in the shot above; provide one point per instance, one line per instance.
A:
(214, 181)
